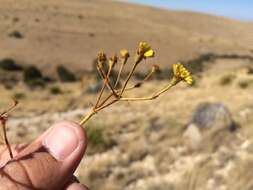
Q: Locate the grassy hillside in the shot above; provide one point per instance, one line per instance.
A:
(139, 145)
(48, 33)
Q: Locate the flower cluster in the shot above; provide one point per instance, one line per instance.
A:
(144, 51)
(181, 73)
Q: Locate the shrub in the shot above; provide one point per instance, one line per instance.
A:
(227, 79)
(9, 64)
(32, 73)
(15, 19)
(36, 83)
(65, 75)
(243, 84)
(91, 34)
(95, 136)
(55, 90)
(250, 70)
(19, 96)
(16, 34)
(33, 77)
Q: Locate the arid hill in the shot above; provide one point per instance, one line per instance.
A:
(48, 33)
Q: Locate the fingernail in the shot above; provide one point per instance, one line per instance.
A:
(77, 186)
(61, 141)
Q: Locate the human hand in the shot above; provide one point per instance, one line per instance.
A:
(48, 163)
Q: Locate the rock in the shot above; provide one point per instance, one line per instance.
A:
(209, 115)
(192, 137)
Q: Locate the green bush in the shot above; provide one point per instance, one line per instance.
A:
(55, 90)
(16, 34)
(244, 84)
(33, 77)
(250, 70)
(19, 96)
(32, 73)
(9, 64)
(64, 74)
(95, 136)
(36, 83)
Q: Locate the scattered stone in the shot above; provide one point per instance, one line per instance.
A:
(209, 115)
(192, 137)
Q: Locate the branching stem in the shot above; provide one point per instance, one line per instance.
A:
(173, 82)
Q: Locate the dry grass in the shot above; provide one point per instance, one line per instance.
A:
(161, 160)
(143, 147)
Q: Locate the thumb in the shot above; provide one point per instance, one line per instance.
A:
(49, 162)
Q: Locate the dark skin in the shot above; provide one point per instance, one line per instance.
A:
(47, 163)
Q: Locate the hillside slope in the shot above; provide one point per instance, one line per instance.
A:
(71, 32)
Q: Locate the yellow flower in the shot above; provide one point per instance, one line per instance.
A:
(145, 50)
(181, 73)
(124, 54)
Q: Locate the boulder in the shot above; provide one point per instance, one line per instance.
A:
(210, 115)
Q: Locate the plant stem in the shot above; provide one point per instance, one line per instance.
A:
(119, 74)
(10, 109)
(6, 139)
(87, 117)
(127, 89)
(102, 106)
(107, 81)
(103, 87)
(94, 111)
(128, 78)
(165, 89)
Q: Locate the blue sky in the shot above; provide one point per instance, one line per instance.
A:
(238, 9)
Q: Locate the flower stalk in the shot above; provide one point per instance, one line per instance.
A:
(144, 51)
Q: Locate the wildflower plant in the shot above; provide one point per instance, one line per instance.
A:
(116, 94)
(144, 51)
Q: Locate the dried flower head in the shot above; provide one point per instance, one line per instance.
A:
(124, 54)
(155, 68)
(113, 60)
(145, 50)
(181, 73)
(101, 58)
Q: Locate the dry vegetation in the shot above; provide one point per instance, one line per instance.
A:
(138, 146)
